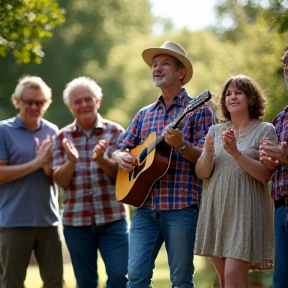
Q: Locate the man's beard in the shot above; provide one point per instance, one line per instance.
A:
(159, 83)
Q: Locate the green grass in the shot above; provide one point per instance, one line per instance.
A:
(204, 274)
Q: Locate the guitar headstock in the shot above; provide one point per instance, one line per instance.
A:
(196, 102)
(191, 106)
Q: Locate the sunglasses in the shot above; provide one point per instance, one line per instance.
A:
(38, 103)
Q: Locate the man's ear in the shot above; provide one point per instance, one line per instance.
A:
(98, 103)
(16, 102)
(182, 73)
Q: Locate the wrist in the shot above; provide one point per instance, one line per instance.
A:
(72, 161)
(237, 155)
(35, 164)
(115, 155)
(181, 149)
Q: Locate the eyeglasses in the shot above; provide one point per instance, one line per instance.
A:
(285, 64)
(38, 103)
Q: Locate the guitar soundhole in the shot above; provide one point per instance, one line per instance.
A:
(133, 174)
(142, 155)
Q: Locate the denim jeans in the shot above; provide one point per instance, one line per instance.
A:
(148, 231)
(280, 277)
(112, 241)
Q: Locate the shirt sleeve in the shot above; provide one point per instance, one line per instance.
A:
(116, 135)
(131, 137)
(270, 133)
(3, 147)
(58, 157)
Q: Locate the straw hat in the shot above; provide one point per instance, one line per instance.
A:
(173, 49)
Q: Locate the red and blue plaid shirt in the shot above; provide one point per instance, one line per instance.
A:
(179, 187)
(280, 176)
(90, 196)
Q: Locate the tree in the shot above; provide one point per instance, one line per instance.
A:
(105, 40)
(80, 47)
(251, 30)
(278, 13)
(24, 25)
(229, 12)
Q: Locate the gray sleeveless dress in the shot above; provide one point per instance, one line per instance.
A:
(236, 213)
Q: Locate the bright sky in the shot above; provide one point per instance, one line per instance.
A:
(194, 14)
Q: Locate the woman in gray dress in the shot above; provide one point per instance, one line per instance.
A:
(235, 226)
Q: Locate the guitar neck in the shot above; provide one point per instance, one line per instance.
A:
(192, 105)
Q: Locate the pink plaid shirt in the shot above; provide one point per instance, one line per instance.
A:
(89, 199)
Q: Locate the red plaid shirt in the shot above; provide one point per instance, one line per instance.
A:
(89, 198)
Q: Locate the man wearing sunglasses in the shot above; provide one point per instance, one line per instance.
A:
(28, 198)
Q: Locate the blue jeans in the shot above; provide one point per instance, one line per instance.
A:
(280, 277)
(148, 231)
(112, 241)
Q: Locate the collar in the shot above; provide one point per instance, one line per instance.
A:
(17, 123)
(181, 99)
(98, 124)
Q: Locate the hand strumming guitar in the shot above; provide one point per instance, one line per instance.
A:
(125, 160)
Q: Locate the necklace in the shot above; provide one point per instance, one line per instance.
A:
(241, 138)
(247, 130)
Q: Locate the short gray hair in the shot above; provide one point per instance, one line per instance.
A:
(82, 81)
(35, 83)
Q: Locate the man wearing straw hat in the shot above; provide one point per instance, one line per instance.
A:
(170, 212)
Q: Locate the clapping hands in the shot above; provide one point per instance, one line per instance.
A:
(44, 154)
(71, 151)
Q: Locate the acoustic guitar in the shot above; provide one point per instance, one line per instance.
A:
(153, 161)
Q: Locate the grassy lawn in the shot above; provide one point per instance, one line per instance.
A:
(203, 279)
(204, 276)
(204, 273)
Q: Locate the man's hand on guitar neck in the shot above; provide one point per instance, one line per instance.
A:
(125, 160)
(173, 137)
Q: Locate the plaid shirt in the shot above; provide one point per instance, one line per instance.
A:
(280, 176)
(179, 187)
(89, 198)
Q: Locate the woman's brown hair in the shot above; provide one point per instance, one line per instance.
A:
(254, 93)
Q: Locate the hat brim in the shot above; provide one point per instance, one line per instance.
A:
(149, 54)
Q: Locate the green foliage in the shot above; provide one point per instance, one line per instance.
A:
(277, 13)
(105, 40)
(23, 26)
(80, 47)
(233, 13)
(260, 45)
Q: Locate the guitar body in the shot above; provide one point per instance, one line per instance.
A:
(154, 165)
